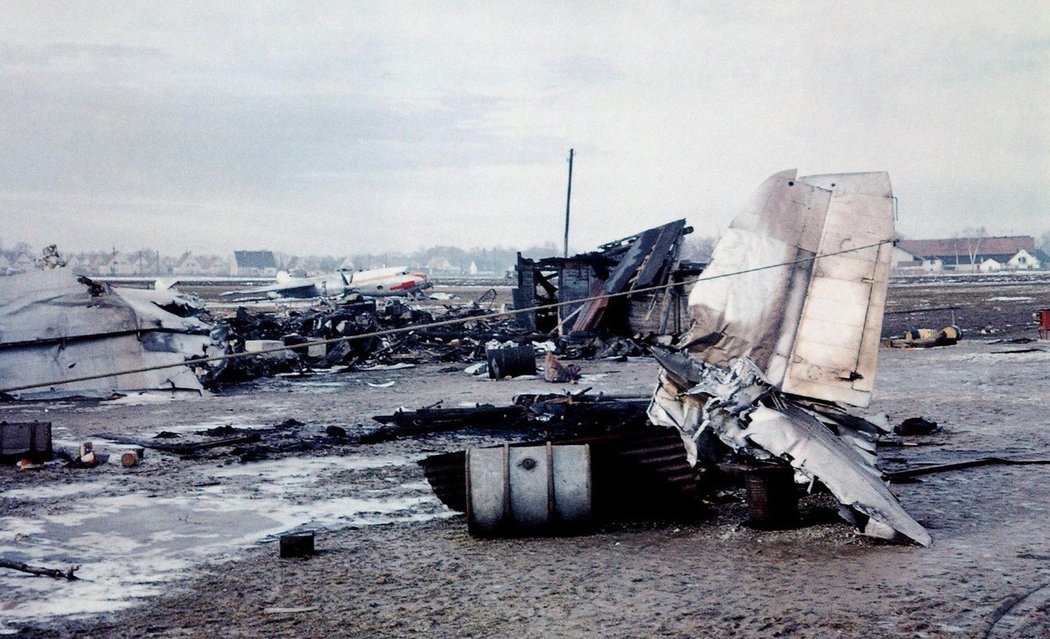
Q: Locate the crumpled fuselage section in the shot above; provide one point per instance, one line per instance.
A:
(56, 327)
(791, 307)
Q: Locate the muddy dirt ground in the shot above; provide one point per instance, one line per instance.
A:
(185, 547)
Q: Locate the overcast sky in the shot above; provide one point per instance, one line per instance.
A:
(349, 127)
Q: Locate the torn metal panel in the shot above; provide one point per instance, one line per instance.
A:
(637, 253)
(747, 414)
(811, 326)
(808, 327)
(656, 266)
(794, 435)
(55, 326)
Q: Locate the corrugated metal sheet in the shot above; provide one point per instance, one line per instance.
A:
(636, 472)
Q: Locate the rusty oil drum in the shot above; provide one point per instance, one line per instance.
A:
(511, 361)
(771, 499)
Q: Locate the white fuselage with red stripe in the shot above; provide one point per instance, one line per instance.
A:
(384, 282)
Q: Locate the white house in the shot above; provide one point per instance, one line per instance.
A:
(23, 263)
(906, 263)
(1023, 261)
(187, 264)
(144, 263)
(989, 266)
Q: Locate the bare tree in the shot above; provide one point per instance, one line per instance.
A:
(971, 242)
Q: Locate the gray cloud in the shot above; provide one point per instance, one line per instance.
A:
(399, 125)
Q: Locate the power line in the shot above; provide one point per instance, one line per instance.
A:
(450, 322)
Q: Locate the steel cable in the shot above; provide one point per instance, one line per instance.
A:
(450, 322)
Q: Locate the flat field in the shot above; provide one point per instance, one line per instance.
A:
(186, 547)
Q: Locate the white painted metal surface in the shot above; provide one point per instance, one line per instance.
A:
(811, 325)
(54, 326)
(528, 489)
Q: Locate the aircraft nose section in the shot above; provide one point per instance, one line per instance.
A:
(423, 280)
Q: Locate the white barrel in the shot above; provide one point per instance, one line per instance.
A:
(528, 490)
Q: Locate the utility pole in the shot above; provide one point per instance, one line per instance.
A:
(568, 200)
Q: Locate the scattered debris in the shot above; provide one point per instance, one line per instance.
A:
(557, 373)
(435, 419)
(510, 361)
(972, 463)
(337, 432)
(129, 460)
(927, 338)
(66, 574)
(187, 448)
(481, 368)
(461, 343)
(1017, 351)
(86, 458)
(1015, 340)
(28, 441)
(297, 544)
(915, 426)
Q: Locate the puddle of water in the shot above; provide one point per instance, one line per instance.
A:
(131, 543)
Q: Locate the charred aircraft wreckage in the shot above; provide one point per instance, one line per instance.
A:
(74, 333)
(786, 323)
(784, 336)
(774, 351)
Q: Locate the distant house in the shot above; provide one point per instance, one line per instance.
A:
(145, 263)
(253, 264)
(440, 265)
(23, 263)
(187, 264)
(1024, 261)
(990, 266)
(5, 264)
(119, 264)
(967, 254)
(213, 265)
(93, 263)
(905, 263)
(900, 256)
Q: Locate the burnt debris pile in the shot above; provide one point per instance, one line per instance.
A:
(360, 333)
